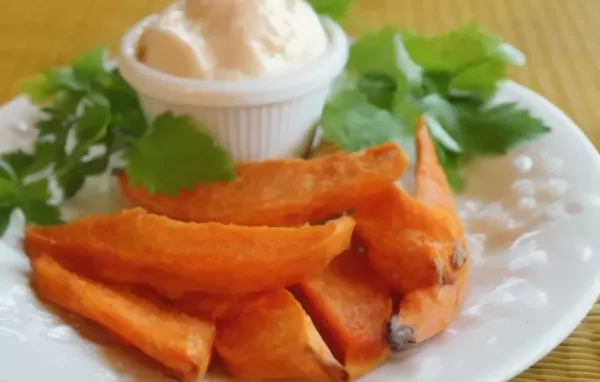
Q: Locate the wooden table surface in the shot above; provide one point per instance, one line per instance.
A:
(561, 39)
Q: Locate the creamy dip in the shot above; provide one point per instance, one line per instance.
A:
(230, 40)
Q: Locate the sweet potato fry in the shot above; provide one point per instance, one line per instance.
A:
(432, 187)
(99, 268)
(285, 192)
(269, 336)
(143, 248)
(181, 343)
(351, 307)
(415, 242)
(205, 305)
(324, 147)
(426, 312)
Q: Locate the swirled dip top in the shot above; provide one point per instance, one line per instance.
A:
(230, 40)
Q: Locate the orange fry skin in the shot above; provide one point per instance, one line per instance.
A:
(418, 245)
(269, 336)
(409, 243)
(432, 189)
(144, 249)
(181, 343)
(286, 192)
(427, 312)
(432, 186)
(352, 307)
(415, 242)
(205, 305)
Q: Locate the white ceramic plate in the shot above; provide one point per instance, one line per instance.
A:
(532, 217)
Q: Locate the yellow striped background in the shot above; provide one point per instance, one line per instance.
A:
(561, 39)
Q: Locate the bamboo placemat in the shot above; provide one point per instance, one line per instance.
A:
(561, 39)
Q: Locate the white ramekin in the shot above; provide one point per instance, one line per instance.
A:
(254, 120)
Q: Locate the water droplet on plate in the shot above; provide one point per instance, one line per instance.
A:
(524, 187)
(556, 211)
(553, 164)
(526, 258)
(527, 203)
(523, 163)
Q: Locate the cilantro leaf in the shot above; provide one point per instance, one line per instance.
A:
(17, 192)
(406, 108)
(438, 133)
(465, 59)
(44, 155)
(379, 88)
(18, 161)
(128, 122)
(95, 166)
(392, 60)
(441, 109)
(481, 78)
(40, 213)
(37, 190)
(451, 163)
(71, 182)
(90, 109)
(7, 190)
(336, 9)
(53, 84)
(92, 125)
(8, 195)
(5, 215)
(353, 123)
(38, 88)
(398, 76)
(442, 119)
(457, 49)
(90, 128)
(497, 129)
(363, 51)
(175, 155)
(90, 65)
(51, 126)
(87, 102)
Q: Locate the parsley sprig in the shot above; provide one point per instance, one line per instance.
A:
(395, 76)
(92, 124)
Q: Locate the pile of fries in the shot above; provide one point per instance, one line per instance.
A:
(298, 269)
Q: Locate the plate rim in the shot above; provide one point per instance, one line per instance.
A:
(584, 303)
(570, 321)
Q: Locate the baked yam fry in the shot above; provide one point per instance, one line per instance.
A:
(181, 343)
(284, 192)
(269, 336)
(205, 305)
(415, 242)
(351, 307)
(418, 245)
(426, 312)
(146, 249)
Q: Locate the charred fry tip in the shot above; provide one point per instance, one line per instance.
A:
(400, 336)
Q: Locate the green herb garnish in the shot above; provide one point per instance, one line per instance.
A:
(175, 143)
(18, 193)
(92, 117)
(395, 76)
